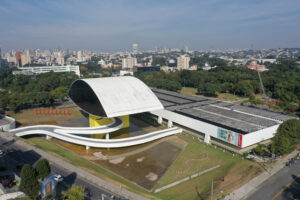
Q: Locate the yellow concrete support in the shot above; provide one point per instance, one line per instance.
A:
(99, 121)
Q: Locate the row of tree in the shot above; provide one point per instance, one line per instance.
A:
(32, 176)
(288, 134)
(20, 91)
(281, 82)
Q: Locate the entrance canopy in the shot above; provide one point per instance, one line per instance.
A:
(114, 96)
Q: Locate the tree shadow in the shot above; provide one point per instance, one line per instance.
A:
(67, 183)
(293, 191)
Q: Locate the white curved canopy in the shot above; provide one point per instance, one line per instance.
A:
(114, 96)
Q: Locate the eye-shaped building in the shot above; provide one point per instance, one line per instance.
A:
(114, 96)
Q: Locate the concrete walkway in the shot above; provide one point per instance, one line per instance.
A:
(249, 188)
(80, 172)
(186, 179)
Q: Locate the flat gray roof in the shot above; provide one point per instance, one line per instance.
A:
(4, 121)
(238, 118)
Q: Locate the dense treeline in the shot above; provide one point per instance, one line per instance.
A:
(288, 134)
(281, 82)
(20, 91)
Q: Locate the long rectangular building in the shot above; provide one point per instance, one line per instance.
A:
(45, 69)
(238, 125)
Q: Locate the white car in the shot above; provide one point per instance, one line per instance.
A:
(58, 177)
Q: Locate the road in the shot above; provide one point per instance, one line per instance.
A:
(284, 185)
(19, 155)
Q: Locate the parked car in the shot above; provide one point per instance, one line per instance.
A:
(58, 177)
(1, 152)
(10, 150)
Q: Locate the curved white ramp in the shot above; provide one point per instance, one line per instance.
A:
(69, 134)
(114, 126)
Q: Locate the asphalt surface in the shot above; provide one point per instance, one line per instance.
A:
(284, 185)
(30, 157)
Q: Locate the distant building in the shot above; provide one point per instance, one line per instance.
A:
(256, 67)
(129, 63)
(79, 55)
(126, 72)
(0, 58)
(172, 63)
(26, 73)
(207, 67)
(24, 59)
(135, 48)
(45, 69)
(186, 49)
(183, 62)
(18, 58)
(60, 59)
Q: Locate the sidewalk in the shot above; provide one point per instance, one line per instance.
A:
(80, 172)
(249, 188)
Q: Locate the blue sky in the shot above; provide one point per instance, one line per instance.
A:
(113, 25)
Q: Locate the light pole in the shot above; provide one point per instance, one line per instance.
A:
(212, 187)
(212, 190)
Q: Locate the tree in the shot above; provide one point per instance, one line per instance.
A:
(29, 183)
(282, 145)
(259, 150)
(43, 168)
(290, 129)
(76, 192)
(286, 136)
(161, 61)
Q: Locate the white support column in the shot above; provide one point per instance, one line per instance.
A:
(48, 137)
(170, 123)
(87, 147)
(159, 120)
(207, 138)
(107, 136)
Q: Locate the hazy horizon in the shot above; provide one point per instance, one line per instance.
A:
(115, 25)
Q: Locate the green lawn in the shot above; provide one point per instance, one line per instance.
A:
(78, 161)
(192, 189)
(230, 97)
(30, 116)
(188, 90)
(201, 184)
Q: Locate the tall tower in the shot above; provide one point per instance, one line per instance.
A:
(0, 57)
(186, 49)
(135, 48)
(18, 58)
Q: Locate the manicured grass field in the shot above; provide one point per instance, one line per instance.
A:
(78, 161)
(188, 90)
(235, 170)
(200, 186)
(30, 117)
(196, 157)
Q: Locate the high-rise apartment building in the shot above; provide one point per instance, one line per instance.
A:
(135, 48)
(0, 58)
(183, 62)
(129, 63)
(18, 58)
(79, 55)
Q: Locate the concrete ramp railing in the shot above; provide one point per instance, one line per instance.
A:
(116, 124)
(69, 135)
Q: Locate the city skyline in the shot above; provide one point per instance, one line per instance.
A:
(116, 25)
